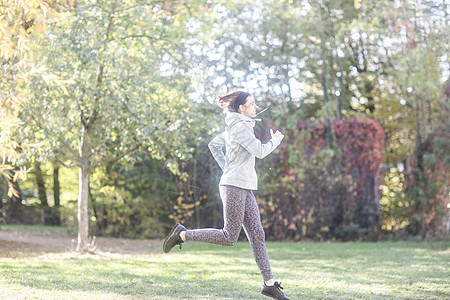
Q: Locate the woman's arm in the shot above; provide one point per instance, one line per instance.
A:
(216, 147)
(247, 139)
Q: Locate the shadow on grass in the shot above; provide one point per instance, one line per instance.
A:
(128, 278)
(202, 271)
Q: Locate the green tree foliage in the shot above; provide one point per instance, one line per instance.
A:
(117, 84)
(119, 75)
(132, 201)
(415, 115)
(22, 24)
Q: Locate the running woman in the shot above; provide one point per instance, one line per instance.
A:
(236, 187)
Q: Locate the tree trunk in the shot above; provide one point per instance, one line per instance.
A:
(342, 95)
(13, 214)
(56, 194)
(83, 193)
(211, 193)
(46, 218)
(369, 214)
(82, 245)
(194, 195)
(323, 47)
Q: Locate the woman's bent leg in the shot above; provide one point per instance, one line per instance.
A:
(256, 236)
(233, 200)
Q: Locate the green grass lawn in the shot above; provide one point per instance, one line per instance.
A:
(383, 270)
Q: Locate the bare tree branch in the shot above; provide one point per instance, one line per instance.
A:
(36, 119)
(113, 159)
(66, 165)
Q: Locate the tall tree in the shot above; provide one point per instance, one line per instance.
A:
(119, 86)
(421, 55)
(22, 23)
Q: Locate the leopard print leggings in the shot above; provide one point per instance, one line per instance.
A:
(239, 209)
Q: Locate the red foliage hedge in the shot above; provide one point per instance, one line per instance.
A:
(327, 184)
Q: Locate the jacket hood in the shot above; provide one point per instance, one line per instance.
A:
(232, 118)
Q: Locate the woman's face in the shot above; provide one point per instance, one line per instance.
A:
(249, 107)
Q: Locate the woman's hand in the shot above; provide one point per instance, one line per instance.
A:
(277, 135)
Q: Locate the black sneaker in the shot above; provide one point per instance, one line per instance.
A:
(173, 238)
(274, 291)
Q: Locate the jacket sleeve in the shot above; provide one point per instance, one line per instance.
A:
(216, 147)
(247, 139)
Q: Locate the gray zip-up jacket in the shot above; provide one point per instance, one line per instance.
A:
(241, 148)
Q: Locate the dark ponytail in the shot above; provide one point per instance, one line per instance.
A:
(232, 101)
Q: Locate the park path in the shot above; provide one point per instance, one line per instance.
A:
(27, 243)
